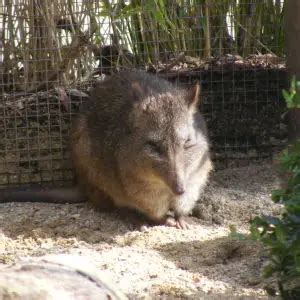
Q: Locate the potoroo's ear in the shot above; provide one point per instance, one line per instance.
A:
(192, 96)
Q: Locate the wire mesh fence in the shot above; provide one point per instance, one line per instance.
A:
(53, 52)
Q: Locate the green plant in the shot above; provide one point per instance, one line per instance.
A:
(281, 236)
(203, 28)
(292, 97)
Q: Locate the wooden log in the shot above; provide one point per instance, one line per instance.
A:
(56, 277)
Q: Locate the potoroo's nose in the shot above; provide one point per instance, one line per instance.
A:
(178, 189)
(176, 180)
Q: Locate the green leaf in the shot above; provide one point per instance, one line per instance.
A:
(277, 195)
(280, 234)
(286, 96)
(268, 271)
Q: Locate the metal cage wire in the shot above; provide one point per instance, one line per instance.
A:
(53, 52)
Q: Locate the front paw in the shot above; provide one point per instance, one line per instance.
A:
(178, 222)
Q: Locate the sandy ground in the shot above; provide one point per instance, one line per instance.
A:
(158, 262)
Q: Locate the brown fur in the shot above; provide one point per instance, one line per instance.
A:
(141, 143)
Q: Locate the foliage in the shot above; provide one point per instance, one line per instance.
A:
(292, 97)
(36, 42)
(203, 28)
(281, 236)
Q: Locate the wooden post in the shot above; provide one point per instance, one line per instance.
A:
(292, 43)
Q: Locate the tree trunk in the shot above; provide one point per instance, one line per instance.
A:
(292, 40)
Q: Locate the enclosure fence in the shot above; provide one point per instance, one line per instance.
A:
(52, 52)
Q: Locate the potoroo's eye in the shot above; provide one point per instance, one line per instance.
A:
(189, 143)
(155, 147)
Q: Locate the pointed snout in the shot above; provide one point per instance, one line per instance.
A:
(174, 176)
(179, 190)
(178, 187)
